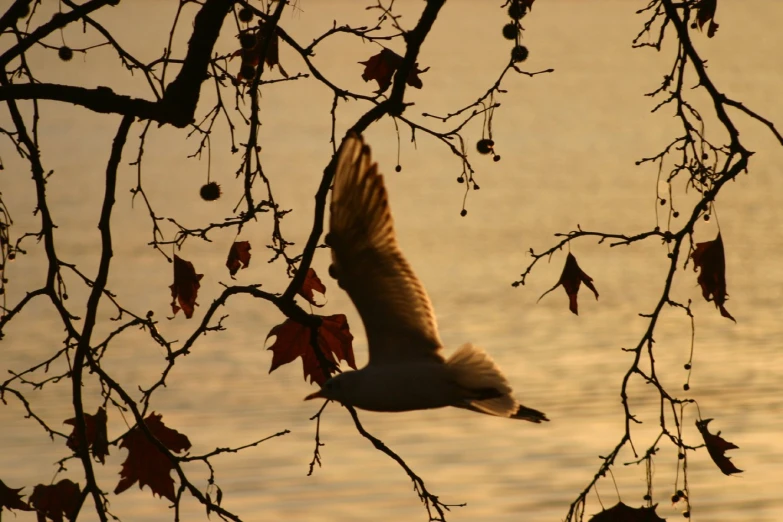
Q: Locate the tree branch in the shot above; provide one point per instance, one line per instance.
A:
(57, 22)
(83, 348)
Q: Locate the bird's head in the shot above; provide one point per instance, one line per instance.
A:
(338, 388)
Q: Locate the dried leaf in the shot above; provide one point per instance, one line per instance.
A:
(11, 499)
(382, 67)
(705, 12)
(185, 288)
(95, 432)
(712, 29)
(145, 463)
(56, 500)
(571, 279)
(623, 513)
(312, 283)
(717, 447)
(293, 340)
(252, 56)
(238, 257)
(710, 257)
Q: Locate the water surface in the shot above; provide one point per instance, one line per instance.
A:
(568, 142)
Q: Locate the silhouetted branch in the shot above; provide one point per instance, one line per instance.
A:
(393, 106)
(83, 348)
(318, 443)
(219, 451)
(431, 502)
(695, 152)
(182, 94)
(57, 22)
(707, 166)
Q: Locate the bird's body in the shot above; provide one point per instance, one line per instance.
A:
(407, 369)
(400, 387)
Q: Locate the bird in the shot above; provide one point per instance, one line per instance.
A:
(407, 369)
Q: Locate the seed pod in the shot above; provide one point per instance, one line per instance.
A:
(65, 53)
(519, 53)
(210, 191)
(510, 31)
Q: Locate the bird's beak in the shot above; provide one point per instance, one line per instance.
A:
(316, 395)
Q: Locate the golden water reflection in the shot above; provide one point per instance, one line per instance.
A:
(568, 141)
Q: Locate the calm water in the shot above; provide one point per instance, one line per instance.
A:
(568, 142)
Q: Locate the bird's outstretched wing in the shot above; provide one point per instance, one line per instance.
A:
(368, 263)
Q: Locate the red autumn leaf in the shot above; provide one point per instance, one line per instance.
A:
(56, 500)
(705, 12)
(311, 283)
(185, 288)
(11, 499)
(710, 257)
(382, 67)
(146, 464)
(623, 513)
(571, 279)
(95, 427)
(717, 447)
(252, 55)
(238, 257)
(293, 340)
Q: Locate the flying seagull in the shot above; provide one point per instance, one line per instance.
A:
(407, 369)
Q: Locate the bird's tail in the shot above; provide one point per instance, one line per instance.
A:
(486, 388)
